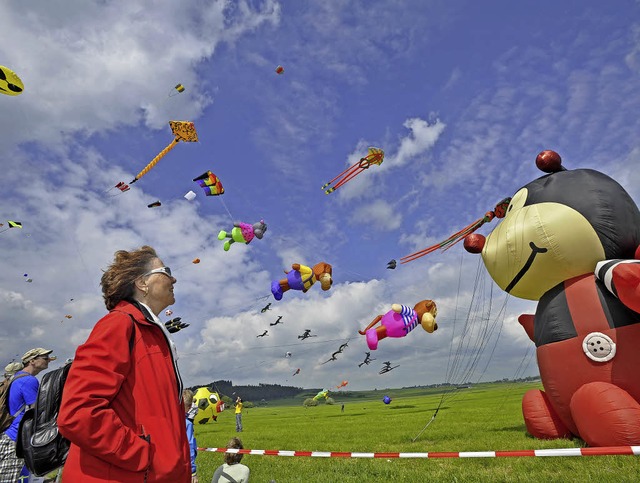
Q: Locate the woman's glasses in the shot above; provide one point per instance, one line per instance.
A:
(165, 270)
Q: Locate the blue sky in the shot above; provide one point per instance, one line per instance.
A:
(460, 95)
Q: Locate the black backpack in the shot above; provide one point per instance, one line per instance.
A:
(43, 448)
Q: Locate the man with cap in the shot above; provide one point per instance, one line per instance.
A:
(23, 393)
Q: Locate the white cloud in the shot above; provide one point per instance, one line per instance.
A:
(454, 78)
(378, 215)
(422, 137)
(632, 59)
(413, 147)
(90, 67)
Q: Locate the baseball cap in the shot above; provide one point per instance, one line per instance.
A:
(37, 352)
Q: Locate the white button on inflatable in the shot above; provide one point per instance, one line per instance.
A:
(599, 347)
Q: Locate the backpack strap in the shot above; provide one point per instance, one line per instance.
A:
(18, 376)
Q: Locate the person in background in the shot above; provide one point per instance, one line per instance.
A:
(239, 415)
(122, 404)
(11, 368)
(23, 393)
(187, 397)
(232, 471)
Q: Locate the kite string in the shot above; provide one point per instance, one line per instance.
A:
(520, 370)
(225, 207)
(455, 317)
(455, 372)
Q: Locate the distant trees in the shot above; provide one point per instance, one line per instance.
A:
(267, 392)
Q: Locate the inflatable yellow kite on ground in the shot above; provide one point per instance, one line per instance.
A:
(209, 404)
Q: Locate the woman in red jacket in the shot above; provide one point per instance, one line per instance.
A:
(122, 403)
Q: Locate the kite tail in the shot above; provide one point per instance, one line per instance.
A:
(347, 172)
(499, 211)
(347, 177)
(155, 160)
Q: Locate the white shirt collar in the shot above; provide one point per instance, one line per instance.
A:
(159, 323)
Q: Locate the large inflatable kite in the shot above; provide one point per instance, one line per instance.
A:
(301, 277)
(10, 83)
(209, 405)
(242, 233)
(570, 241)
(401, 320)
(322, 394)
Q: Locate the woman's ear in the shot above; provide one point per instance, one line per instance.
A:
(141, 284)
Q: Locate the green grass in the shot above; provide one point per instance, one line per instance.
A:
(486, 417)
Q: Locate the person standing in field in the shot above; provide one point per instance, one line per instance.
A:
(239, 415)
(122, 404)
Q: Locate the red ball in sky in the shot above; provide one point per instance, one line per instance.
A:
(549, 161)
(474, 243)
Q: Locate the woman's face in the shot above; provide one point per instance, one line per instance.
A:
(160, 288)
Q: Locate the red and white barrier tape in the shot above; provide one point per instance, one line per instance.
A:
(602, 451)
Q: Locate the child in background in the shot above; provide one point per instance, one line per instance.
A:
(232, 470)
(187, 397)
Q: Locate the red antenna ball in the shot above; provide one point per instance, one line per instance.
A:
(549, 161)
(474, 243)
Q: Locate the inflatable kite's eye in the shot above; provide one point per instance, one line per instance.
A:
(518, 201)
(474, 243)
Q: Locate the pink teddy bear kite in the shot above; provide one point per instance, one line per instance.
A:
(401, 320)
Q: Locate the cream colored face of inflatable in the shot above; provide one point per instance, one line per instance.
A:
(565, 242)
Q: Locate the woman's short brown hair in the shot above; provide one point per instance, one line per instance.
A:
(233, 458)
(118, 280)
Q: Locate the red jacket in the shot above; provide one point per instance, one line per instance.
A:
(114, 394)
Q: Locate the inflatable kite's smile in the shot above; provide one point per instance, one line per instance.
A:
(534, 251)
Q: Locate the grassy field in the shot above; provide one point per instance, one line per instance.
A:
(483, 418)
